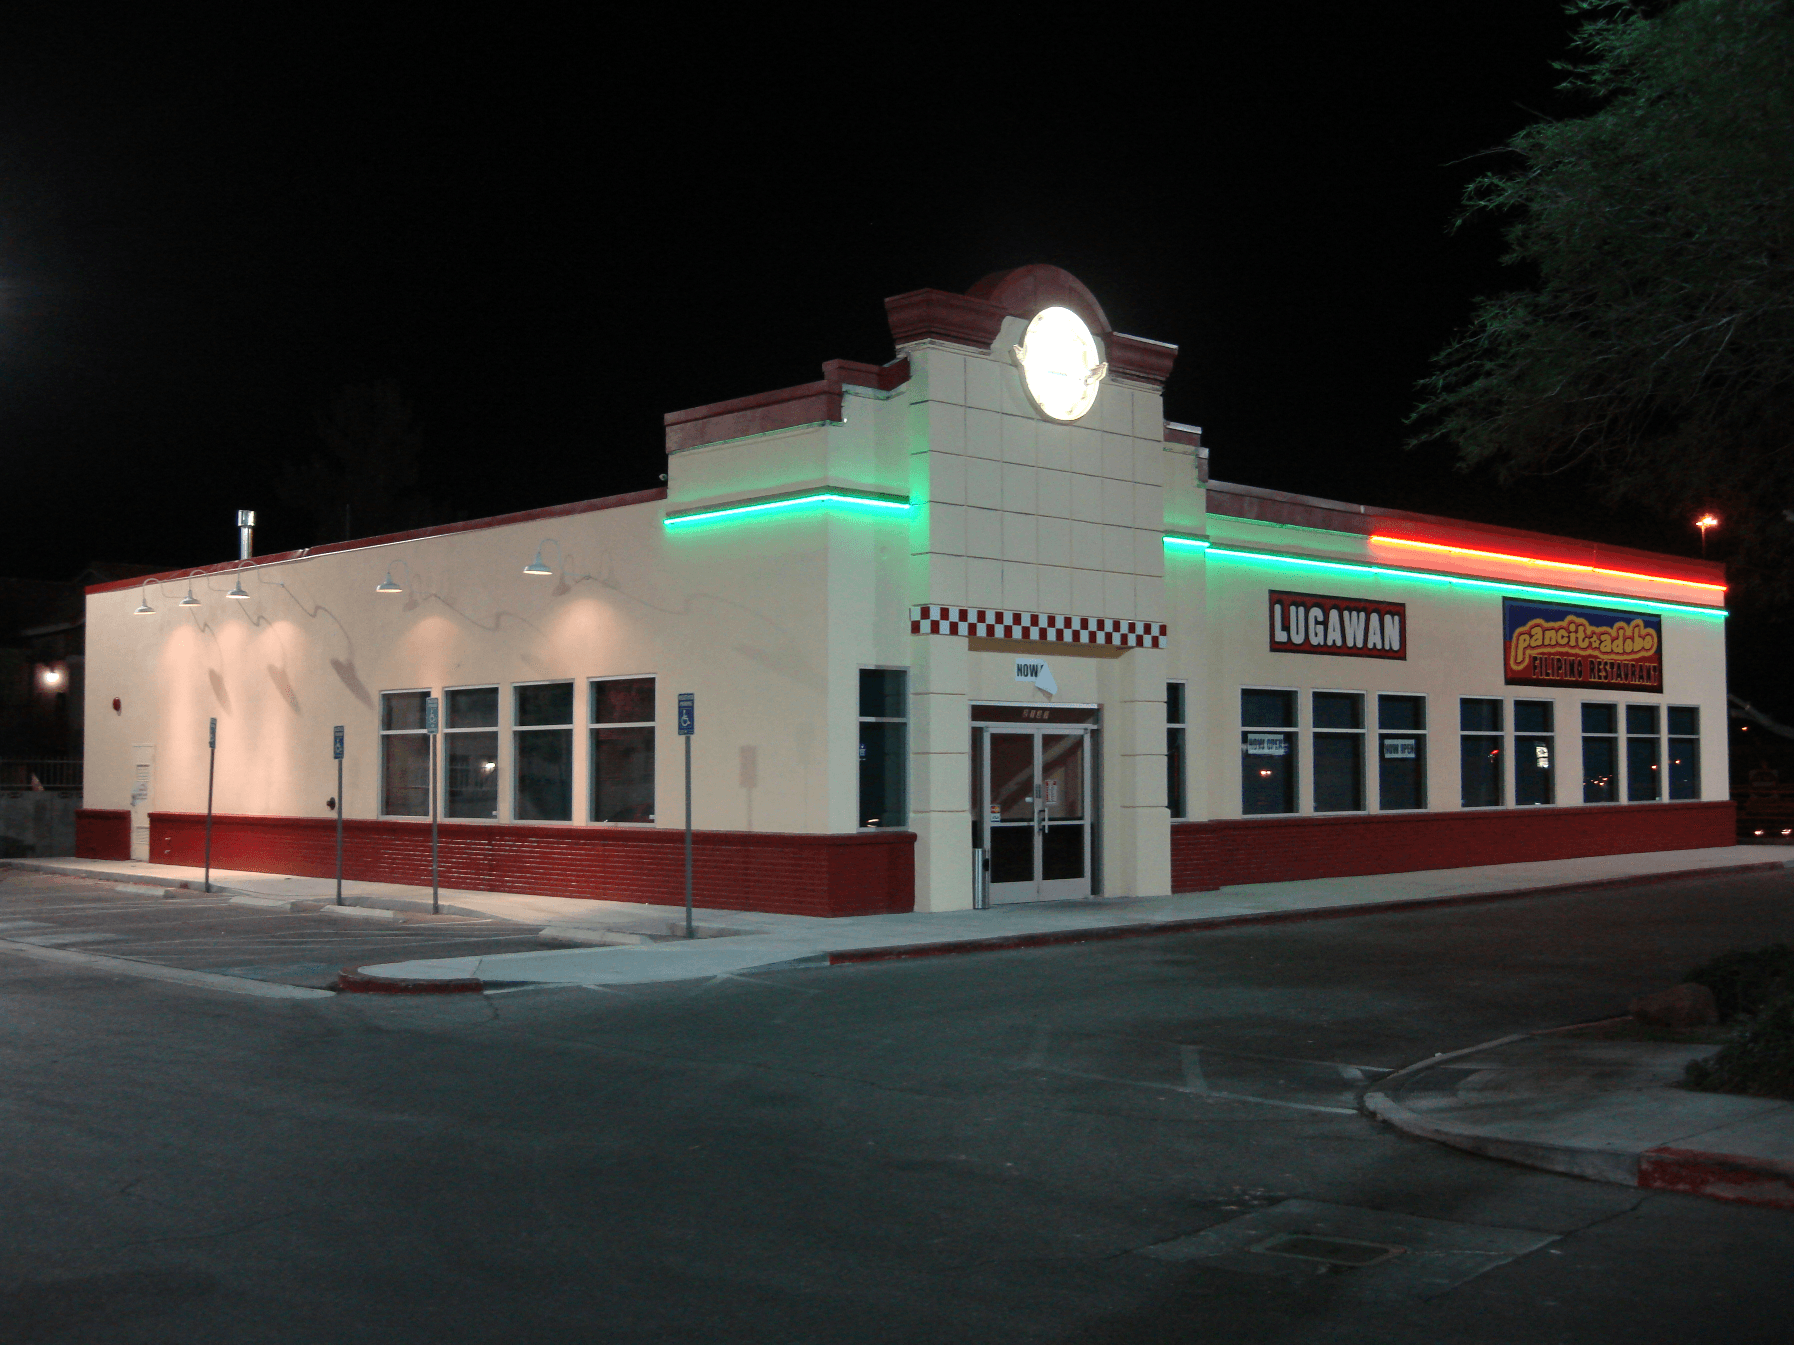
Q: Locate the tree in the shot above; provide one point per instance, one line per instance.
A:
(1652, 357)
(363, 481)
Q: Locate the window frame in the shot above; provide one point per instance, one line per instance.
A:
(1424, 746)
(1655, 738)
(1670, 739)
(1500, 735)
(903, 787)
(1551, 739)
(1614, 739)
(1177, 752)
(442, 754)
(592, 727)
(1294, 756)
(384, 733)
(1316, 733)
(569, 728)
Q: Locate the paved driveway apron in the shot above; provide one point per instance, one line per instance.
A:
(212, 933)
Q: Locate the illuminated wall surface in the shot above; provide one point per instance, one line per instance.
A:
(782, 561)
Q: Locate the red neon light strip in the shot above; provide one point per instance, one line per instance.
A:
(1550, 564)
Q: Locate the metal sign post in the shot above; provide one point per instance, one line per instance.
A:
(432, 714)
(336, 749)
(211, 775)
(688, 724)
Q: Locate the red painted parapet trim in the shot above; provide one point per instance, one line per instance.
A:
(1305, 511)
(783, 409)
(866, 873)
(1208, 855)
(975, 317)
(388, 539)
(102, 833)
(936, 315)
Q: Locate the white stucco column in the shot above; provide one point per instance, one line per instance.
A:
(940, 783)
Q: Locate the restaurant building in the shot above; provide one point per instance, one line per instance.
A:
(965, 628)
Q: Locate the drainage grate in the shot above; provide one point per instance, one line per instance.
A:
(1334, 1251)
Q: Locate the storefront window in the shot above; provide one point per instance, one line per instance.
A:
(1643, 755)
(1174, 750)
(1684, 752)
(1479, 752)
(1267, 759)
(884, 747)
(1401, 752)
(1338, 751)
(542, 745)
(1600, 754)
(1535, 752)
(470, 753)
(404, 755)
(623, 749)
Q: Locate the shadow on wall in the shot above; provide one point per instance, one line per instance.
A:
(37, 824)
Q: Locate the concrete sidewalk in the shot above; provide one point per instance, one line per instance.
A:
(741, 941)
(1609, 1110)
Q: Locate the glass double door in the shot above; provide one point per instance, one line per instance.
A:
(1036, 796)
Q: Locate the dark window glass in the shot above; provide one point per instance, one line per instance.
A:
(544, 774)
(1174, 703)
(1533, 717)
(1479, 716)
(1600, 719)
(1338, 772)
(1480, 770)
(623, 700)
(1685, 720)
(883, 693)
(1338, 710)
(1267, 773)
(470, 769)
(1641, 720)
(1535, 767)
(1401, 712)
(883, 756)
(623, 773)
(402, 709)
(1684, 767)
(1642, 784)
(545, 703)
(472, 708)
(1174, 772)
(1268, 709)
(1401, 770)
(405, 774)
(1600, 767)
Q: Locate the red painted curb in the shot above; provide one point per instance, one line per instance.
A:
(1744, 1181)
(355, 981)
(1107, 933)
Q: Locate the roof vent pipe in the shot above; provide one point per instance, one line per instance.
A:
(245, 533)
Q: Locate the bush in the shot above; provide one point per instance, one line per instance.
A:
(1743, 982)
(1758, 1060)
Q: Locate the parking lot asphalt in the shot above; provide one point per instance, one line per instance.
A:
(307, 946)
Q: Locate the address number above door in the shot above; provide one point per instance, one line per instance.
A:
(1314, 623)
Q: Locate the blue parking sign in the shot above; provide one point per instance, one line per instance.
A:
(688, 714)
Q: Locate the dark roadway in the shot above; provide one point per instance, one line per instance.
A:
(969, 1148)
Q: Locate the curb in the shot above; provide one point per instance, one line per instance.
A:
(1106, 933)
(357, 981)
(1730, 1177)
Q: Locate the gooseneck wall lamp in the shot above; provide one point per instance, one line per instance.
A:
(536, 566)
(238, 592)
(143, 607)
(386, 585)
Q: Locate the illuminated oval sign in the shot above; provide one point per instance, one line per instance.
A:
(1060, 363)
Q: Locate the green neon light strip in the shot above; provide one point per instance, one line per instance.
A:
(792, 502)
(1426, 576)
(1172, 539)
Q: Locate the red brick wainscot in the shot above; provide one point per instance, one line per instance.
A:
(103, 833)
(866, 873)
(1208, 855)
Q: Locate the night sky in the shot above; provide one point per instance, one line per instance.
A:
(549, 234)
